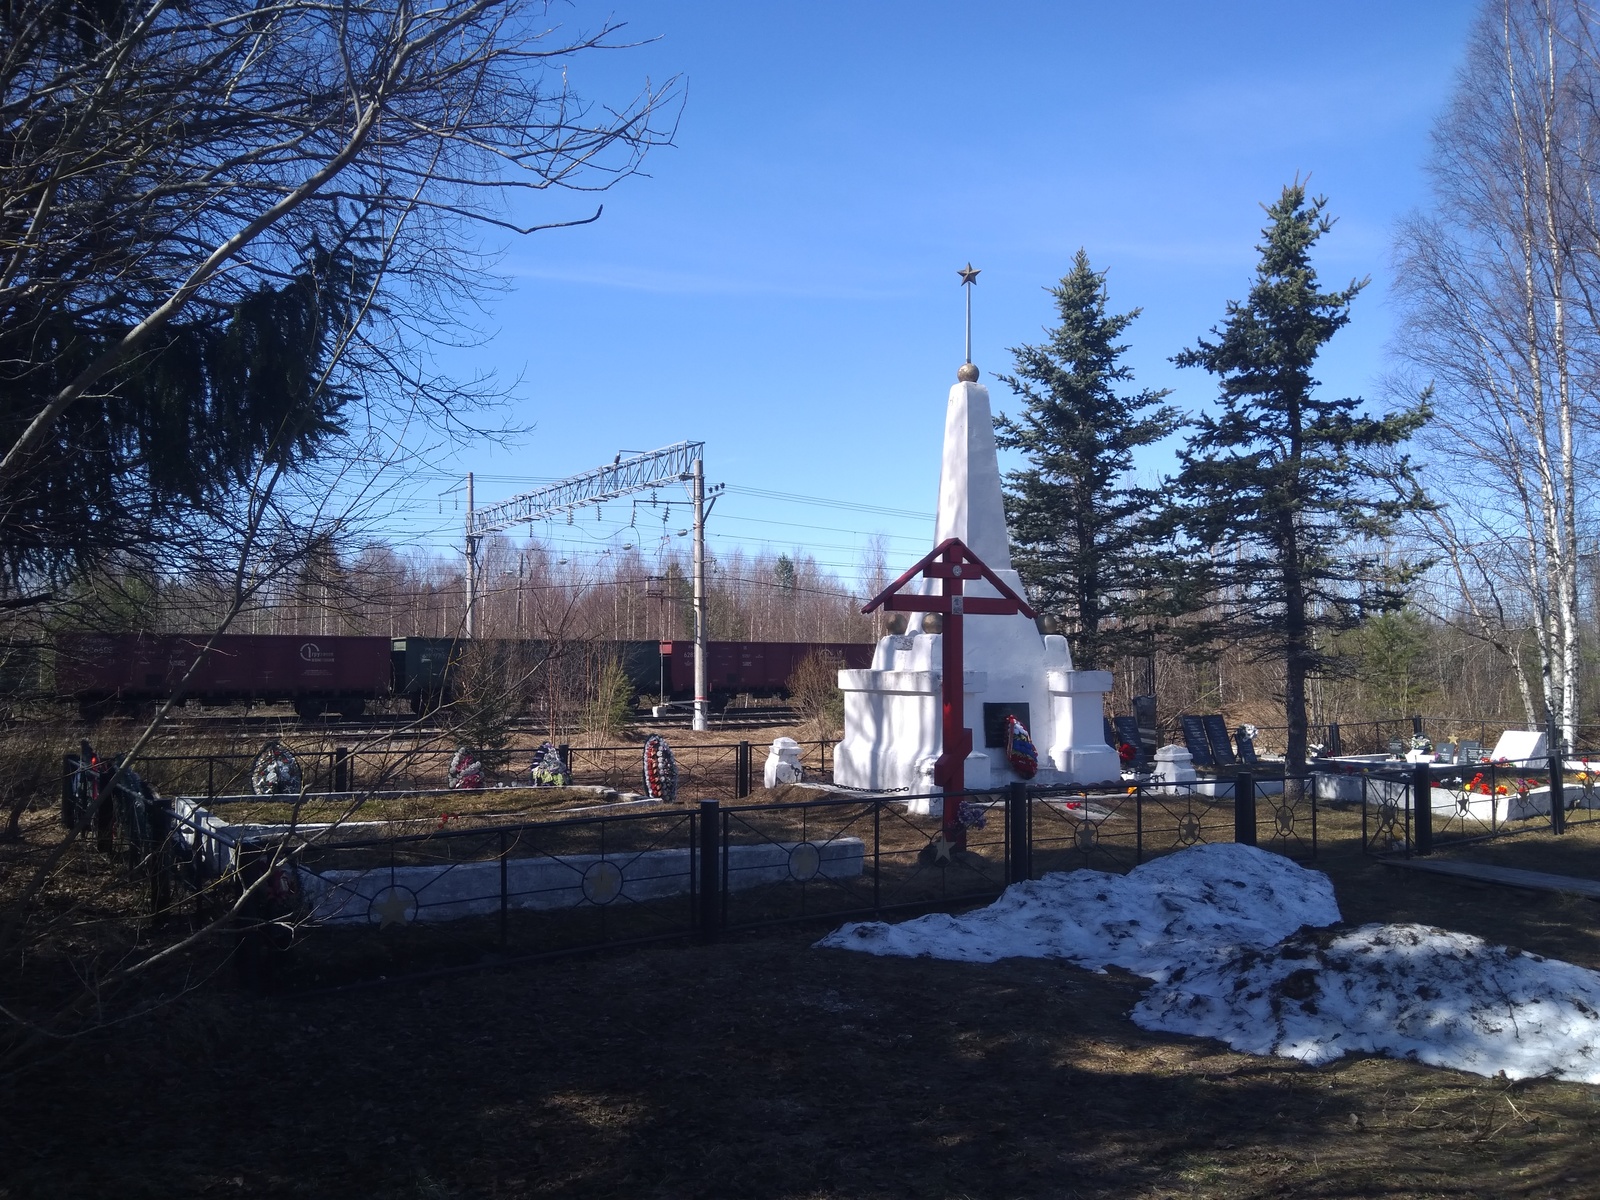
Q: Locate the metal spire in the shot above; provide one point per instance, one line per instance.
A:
(969, 280)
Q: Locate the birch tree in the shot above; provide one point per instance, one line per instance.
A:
(1501, 277)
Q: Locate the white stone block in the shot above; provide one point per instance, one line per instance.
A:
(783, 763)
(1174, 764)
(1520, 745)
(977, 771)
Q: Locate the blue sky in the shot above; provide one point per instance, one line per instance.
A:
(783, 283)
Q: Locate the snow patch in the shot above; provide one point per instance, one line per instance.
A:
(1407, 991)
(1233, 937)
(1161, 916)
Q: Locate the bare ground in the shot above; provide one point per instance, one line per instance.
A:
(763, 1067)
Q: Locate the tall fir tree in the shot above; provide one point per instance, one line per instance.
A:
(1280, 495)
(1079, 528)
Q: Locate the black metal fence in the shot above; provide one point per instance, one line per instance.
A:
(1470, 802)
(317, 906)
(724, 770)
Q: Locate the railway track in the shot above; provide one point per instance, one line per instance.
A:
(406, 727)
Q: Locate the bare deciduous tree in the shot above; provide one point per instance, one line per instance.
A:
(1502, 280)
(173, 174)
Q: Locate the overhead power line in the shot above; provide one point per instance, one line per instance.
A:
(829, 502)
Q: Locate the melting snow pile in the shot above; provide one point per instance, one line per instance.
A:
(1223, 931)
(1408, 991)
(1162, 916)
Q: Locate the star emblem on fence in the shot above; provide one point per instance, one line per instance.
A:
(392, 906)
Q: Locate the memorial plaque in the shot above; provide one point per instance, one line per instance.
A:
(1247, 749)
(1194, 737)
(1333, 747)
(994, 722)
(1111, 732)
(1128, 731)
(1217, 735)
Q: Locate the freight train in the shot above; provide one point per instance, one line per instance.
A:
(344, 675)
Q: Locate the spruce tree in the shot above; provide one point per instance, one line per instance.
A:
(1079, 528)
(1280, 494)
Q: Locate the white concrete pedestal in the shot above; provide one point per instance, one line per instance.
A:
(892, 710)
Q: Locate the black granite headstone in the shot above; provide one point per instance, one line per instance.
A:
(1128, 731)
(1194, 737)
(1144, 712)
(1111, 732)
(1247, 749)
(1217, 735)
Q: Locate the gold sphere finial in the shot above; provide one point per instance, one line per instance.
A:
(967, 373)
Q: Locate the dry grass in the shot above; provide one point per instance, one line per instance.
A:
(763, 1067)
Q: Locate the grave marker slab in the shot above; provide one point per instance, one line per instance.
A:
(1194, 739)
(1217, 734)
(1519, 745)
(1144, 711)
(1127, 730)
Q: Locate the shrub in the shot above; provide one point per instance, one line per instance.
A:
(814, 691)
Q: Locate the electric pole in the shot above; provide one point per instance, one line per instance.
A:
(699, 485)
(679, 463)
(472, 566)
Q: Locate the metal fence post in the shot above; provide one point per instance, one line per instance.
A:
(710, 870)
(741, 771)
(159, 815)
(505, 892)
(69, 782)
(1244, 809)
(341, 768)
(1018, 867)
(1138, 823)
(1366, 846)
(1422, 808)
(1558, 792)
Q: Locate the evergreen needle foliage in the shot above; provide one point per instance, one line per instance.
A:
(1279, 495)
(1080, 532)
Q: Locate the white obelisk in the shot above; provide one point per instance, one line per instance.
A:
(892, 710)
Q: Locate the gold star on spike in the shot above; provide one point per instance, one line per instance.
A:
(969, 274)
(393, 909)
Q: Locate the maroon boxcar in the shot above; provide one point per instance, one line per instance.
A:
(315, 673)
(759, 668)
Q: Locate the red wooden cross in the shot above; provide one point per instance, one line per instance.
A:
(952, 562)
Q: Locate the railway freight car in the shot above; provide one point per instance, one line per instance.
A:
(110, 672)
(757, 668)
(430, 671)
(103, 672)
